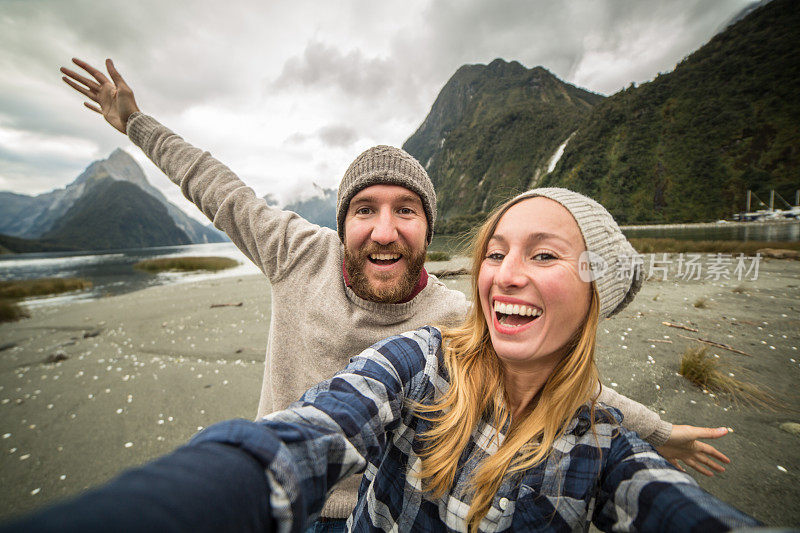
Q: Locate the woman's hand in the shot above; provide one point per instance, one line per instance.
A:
(114, 96)
(684, 445)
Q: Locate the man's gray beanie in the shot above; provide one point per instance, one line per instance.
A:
(615, 266)
(385, 165)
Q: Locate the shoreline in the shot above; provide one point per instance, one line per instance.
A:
(718, 223)
(146, 369)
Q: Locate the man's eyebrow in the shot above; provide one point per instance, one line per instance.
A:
(410, 197)
(367, 199)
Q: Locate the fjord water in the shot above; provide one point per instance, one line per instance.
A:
(111, 272)
(783, 231)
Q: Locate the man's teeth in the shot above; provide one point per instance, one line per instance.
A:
(384, 257)
(516, 309)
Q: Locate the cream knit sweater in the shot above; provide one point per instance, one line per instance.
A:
(317, 322)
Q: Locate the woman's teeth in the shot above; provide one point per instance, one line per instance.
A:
(516, 309)
(515, 315)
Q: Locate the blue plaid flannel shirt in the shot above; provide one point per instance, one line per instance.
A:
(359, 421)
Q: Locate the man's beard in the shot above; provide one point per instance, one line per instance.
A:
(397, 292)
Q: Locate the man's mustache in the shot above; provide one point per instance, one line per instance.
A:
(375, 248)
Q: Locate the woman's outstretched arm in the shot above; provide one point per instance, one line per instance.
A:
(275, 473)
(205, 487)
(640, 491)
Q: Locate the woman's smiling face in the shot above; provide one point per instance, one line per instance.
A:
(530, 290)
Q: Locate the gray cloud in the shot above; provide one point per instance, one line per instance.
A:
(332, 135)
(342, 76)
(173, 59)
(296, 138)
(339, 135)
(561, 36)
(322, 65)
(50, 172)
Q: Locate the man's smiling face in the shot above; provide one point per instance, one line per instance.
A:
(385, 241)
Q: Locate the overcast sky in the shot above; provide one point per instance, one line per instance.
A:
(288, 93)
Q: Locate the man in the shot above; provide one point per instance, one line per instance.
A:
(336, 293)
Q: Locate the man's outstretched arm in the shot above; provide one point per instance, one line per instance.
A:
(274, 240)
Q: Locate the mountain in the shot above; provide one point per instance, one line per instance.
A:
(319, 209)
(115, 214)
(746, 10)
(492, 131)
(32, 217)
(689, 144)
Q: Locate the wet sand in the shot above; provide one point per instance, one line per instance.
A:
(144, 371)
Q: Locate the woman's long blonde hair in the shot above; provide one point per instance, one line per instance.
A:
(476, 388)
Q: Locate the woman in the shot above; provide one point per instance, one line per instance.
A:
(488, 427)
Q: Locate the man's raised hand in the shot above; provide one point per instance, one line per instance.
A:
(115, 98)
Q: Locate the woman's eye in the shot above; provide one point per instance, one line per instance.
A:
(495, 256)
(544, 256)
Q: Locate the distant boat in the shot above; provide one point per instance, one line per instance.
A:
(793, 211)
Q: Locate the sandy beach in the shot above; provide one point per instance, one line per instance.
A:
(142, 372)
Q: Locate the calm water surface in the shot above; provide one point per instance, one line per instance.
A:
(784, 231)
(111, 272)
(746, 231)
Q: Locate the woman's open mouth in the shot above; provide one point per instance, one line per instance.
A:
(515, 315)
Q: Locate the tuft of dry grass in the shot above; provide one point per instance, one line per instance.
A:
(185, 264)
(437, 256)
(701, 303)
(11, 291)
(10, 311)
(658, 245)
(739, 289)
(39, 287)
(705, 372)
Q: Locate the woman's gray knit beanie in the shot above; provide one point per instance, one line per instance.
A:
(385, 165)
(614, 265)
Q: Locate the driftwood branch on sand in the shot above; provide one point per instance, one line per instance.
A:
(716, 344)
(679, 326)
(451, 273)
(704, 341)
